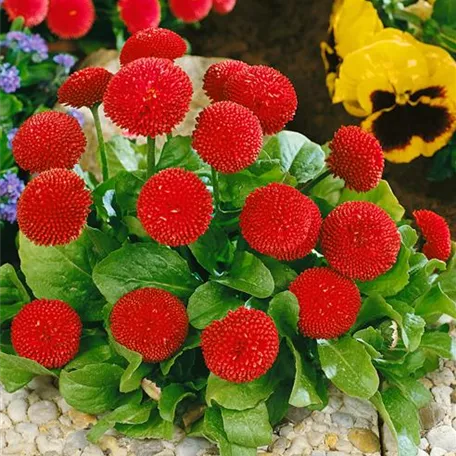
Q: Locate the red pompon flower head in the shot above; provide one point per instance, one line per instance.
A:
(33, 11)
(148, 97)
(228, 136)
(48, 140)
(242, 346)
(436, 233)
(329, 303)
(218, 74)
(86, 87)
(54, 207)
(47, 331)
(150, 321)
(360, 240)
(279, 221)
(70, 19)
(224, 6)
(356, 157)
(139, 14)
(153, 42)
(175, 207)
(190, 11)
(267, 92)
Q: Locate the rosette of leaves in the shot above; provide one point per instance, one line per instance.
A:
(395, 341)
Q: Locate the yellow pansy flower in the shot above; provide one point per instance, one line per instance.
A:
(407, 91)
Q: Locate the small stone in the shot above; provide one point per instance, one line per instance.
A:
(92, 450)
(40, 382)
(63, 405)
(146, 447)
(362, 423)
(443, 437)
(431, 415)
(422, 453)
(17, 410)
(360, 408)
(442, 394)
(344, 445)
(33, 398)
(42, 412)
(318, 453)
(45, 444)
(65, 420)
(13, 437)
(5, 422)
(297, 414)
(190, 446)
(81, 420)
(318, 417)
(75, 443)
(453, 397)
(443, 376)
(424, 444)
(48, 392)
(331, 441)
(29, 431)
(342, 419)
(280, 445)
(165, 452)
(298, 445)
(336, 453)
(454, 423)
(319, 427)
(285, 430)
(315, 438)
(364, 439)
(21, 449)
(108, 442)
(438, 452)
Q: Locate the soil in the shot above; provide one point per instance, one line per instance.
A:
(286, 35)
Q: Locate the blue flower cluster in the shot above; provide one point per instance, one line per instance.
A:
(67, 61)
(11, 188)
(77, 115)
(10, 80)
(10, 136)
(31, 44)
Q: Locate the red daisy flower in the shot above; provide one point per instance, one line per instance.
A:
(217, 75)
(242, 346)
(224, 6)
(192, 11)
(86, 87)
(47, 331)
(33, 11)
(360, 240)
(175, 207)
(48, 140)
(140, 14)
(148, 97)
(267, 92)
(228, 137)
(70, 19)
(54, 207)
(436, 232)
(329, 303)
(356, 157)
(279, 221)
(150, 321)
(153, 42)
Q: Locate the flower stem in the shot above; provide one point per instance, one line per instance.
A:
(215, 186)
(304, 188)
(151, 167)
(101, 144)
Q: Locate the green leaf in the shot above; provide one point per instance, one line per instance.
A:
(93, 389)
(440, 343)
(127, 187)
(65, 272)
(250, 275)
(16, 372)
(240, 396)
(143, 265)
(382, 196)
(371, 339)
(284, 310)
(178, 152)
(154, 428)
(444, 12)
(210, 302)
(282, 274)
(435, 303)
(375, 308)
(94, 355)
(308, 163)
(192, 341)
(412, 389)
(412, 330)
(277, 402)
(328, 190)
(170, 397)
(249, 428)
(9, 106)
(12, 291)
(304, 392)
(121, 155)
(130, 413)
(347, 364)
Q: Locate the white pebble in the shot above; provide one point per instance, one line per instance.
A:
(42, 412)
(442, 394)
(17, 410)
(318, 417)
(443, 376)
(12, 437)
(359, 408)
(48, 392)
(315, 438)
(319, 427)
(424, 444)
(318, 453)
(92, 450)
(29, 431)
(343, 419)
(422, 453)
(190, 446)
(33, 398)
(45, 443)
(22, 449)
(443, 437)
(344, 445)
(362, 423)
(5, 422)
(298, 445)
(75, 443)
(438, 452)
(63, 405)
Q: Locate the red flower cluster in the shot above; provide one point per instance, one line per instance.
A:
(328, 302)
(192, 11)
(242, 346)
(70, 18)
(150, 321)
(224, 6)
(33, 11)
(48, 140)
(139, 14)
(436, 232)
(360, 240)
(279, 221)
(175, 207)
(149, 97)
(54, 207)
(86, 87)
(357, 157)
(153, 42)
(47, 331)
(228, 137)
(218, 74)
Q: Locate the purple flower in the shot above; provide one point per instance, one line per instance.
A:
(11, 188)
(10, 136)
(67, 61)
(9, 78)
(77, 115)
(31, 44)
